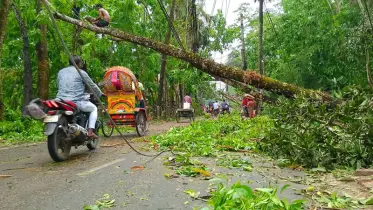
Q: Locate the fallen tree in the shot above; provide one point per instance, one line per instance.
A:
(206, 65)
(246, 89)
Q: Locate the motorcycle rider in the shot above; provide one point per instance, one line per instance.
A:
(71, 87)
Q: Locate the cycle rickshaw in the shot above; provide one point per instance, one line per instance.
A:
(125, 103)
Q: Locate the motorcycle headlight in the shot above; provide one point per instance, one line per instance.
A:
(35, 111)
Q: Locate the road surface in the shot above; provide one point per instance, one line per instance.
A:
(37, 183)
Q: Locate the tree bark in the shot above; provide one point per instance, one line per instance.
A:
(244, 88)
(164, 61)
(206, 65)
(42, 58)
(367, 66)
(4, 10)
(27, 75)
(243, 50)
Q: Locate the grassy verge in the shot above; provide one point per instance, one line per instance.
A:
(21, 131)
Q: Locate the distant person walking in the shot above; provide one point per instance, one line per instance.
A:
(225, 107)
(216, 108)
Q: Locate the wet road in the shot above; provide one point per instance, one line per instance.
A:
(37, 183)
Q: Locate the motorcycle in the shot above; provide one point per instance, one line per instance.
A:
(65, 126)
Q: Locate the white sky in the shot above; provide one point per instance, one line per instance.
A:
(231, 18)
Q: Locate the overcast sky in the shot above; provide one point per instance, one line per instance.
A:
(230, 6)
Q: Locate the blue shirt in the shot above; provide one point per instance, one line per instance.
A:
(71, 86)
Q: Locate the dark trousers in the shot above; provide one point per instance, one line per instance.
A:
(102, 23)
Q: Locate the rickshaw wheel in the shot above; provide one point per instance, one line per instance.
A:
(107, 128)
(141, 124)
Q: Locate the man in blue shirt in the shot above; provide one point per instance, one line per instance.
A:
(225, 107)
(71, 87)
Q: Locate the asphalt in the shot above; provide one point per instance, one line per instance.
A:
(37, 183)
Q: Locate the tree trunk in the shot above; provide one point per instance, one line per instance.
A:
(42, 58)
(4, 10)
(244, 88)
(260, 49)
(243, 50)
(206, 65)
(27, 75)
(164, 62)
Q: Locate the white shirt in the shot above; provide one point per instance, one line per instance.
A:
(141, 86)
(216, 105)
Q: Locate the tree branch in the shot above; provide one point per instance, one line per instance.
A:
(206, 65)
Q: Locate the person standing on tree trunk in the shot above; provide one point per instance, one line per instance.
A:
(103, 18)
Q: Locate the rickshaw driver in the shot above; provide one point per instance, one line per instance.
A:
(141, 89)
(138, 93)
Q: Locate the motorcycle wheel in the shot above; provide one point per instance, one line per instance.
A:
(59, 149)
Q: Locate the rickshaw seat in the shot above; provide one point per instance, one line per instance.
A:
(115, 81)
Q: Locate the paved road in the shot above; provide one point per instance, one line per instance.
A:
(37, 183)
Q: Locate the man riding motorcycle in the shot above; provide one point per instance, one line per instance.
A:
(71, 87)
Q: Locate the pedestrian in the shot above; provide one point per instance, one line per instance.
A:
(225, 107)
(251, 106)
(216, 107)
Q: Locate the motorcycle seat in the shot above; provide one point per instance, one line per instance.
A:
(69, 103)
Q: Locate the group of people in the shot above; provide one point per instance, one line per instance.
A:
(214, 107)
(248, 106)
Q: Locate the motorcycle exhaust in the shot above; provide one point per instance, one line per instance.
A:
(77, 131)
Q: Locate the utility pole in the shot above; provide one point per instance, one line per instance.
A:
(243, 50)
(260, 49)
(260, 45)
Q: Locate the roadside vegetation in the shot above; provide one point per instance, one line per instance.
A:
(301, 134)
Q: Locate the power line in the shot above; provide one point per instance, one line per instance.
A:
(270, 19)
(171, 25)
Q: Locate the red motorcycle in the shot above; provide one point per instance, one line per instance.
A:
(65, 126)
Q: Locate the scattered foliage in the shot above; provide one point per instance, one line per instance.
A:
(103, 203)
(209, 137)
(240, 196)
(316, 134)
